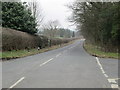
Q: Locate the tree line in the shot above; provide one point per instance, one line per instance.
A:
(58, 33)
(53, 29)
(99, 23)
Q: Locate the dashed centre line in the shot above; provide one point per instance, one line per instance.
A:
(50, 60)
(58, 55)
(21, 79)
(46, 62)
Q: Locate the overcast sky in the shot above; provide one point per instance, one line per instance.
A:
(56, 10)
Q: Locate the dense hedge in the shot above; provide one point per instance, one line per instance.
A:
(17, 40)
(59, 41)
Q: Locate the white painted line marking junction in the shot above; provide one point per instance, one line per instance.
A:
(111, 81)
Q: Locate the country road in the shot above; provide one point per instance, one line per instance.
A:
(67, 67)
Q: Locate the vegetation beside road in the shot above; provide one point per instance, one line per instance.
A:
(95, 51)
(99, 23)
(16, 44)
(23, 31)
(23, 53)
(17, 40)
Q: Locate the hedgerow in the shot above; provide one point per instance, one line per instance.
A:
(17, 40)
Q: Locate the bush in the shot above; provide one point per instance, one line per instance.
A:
(17, 40)
(42, 41)
(59, 41)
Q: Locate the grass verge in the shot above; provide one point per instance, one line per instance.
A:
(91, 49)
(7, 55)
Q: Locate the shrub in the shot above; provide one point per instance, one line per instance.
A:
(17, 40)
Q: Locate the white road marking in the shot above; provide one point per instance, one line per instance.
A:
(49, 60)
(16, 83)
(83, 39)
(106, 75)
(116, 78)
(114, 86)
(98, 62)
(100, 65)
(111, 81)
(103, 71)
(46, 62)
(58, 55)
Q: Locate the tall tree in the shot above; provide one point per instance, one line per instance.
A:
(37, 12)
(15, 15)
(99, 22)
(73, 34)
(51, 28)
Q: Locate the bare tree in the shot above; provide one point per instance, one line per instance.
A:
(36, 11)
(51, 28)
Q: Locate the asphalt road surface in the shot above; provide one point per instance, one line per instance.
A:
(67, 67)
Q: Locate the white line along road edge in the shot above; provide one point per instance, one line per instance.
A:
(111, 81)
(16, 83)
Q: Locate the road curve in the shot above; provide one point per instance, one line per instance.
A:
(67, 67)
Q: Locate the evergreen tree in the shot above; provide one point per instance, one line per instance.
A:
(15, 15)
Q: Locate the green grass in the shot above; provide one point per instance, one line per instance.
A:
(97, 52)
(22, 53)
